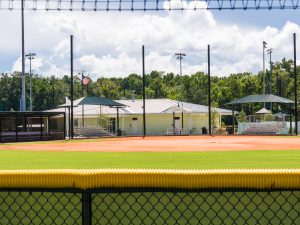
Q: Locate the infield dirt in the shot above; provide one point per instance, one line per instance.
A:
(165, 144)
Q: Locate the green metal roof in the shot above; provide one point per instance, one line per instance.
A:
(95, 101)
(260, 98)
(30, 113)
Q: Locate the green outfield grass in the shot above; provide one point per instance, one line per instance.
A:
(174, 160)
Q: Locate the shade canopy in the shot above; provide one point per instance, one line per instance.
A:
(263, 111)
(260, 98)
(95, 101)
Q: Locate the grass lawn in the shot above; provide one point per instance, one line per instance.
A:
(174, 160)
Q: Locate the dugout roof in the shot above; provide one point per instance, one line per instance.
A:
(30, 114)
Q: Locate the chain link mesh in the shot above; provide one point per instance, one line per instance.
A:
(237, 207)
(138, 207)
(18, 207)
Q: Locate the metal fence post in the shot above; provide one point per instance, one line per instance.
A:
(86, 208)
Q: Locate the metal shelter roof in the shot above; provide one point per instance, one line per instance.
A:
(95, 101)
(263, 111)
(260, 98)
(153, 106)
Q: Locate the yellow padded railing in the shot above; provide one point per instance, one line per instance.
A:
(151, 178)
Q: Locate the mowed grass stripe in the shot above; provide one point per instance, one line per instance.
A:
(160, 160)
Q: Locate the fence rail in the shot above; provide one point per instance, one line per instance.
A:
(274, 199)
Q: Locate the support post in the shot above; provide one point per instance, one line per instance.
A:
(69, 122)
(0, 129)
(72, 89)
(182, 121)
(118, 132)
(233, 118)
(173, 123)
(144, 95)
(86, 208)
(16, 126)
(290, 112)
(64, 126)
(25, 123)
(49, 126)
(295, 86)
(41, 126)
(209, 96)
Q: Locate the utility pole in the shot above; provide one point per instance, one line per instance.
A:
(270, 51)
(180, 56)
(264, 71)
(30, 56)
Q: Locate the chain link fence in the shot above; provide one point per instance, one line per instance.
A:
(149, 206)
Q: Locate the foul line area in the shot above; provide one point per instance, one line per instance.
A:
(164, 144)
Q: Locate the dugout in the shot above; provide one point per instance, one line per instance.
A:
(32, 126)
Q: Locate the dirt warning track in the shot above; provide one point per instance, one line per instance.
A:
(165, 144)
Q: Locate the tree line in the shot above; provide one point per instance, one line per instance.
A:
(50, 92)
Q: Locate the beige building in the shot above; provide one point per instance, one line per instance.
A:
(163, 117)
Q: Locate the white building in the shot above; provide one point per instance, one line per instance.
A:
(163, 116)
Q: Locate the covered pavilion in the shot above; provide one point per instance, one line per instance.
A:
(268, 98)
(31, 126)
(93, 100)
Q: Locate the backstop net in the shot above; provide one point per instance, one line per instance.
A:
(146, 5)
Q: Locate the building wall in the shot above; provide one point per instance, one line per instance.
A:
(159, 124)
(156, 124)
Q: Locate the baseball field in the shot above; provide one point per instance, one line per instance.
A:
(166, 152)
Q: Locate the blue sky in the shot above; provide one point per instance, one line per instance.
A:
(258, 18)
(109, 44)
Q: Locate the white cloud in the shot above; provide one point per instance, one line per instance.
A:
(109, 44)
(122, 65)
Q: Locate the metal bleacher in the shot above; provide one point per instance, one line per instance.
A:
(264, 128)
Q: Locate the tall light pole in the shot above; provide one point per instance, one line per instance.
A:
(30, 56)
(270, 51)
(264, 71)
(180, 56)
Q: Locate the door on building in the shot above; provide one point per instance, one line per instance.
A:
(112, 127)
(134, 126)
(177, 125)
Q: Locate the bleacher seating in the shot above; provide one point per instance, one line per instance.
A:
(92, 132)
(264, 128)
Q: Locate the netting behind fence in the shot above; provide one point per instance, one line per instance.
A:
(146, 5)
(217, 204)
